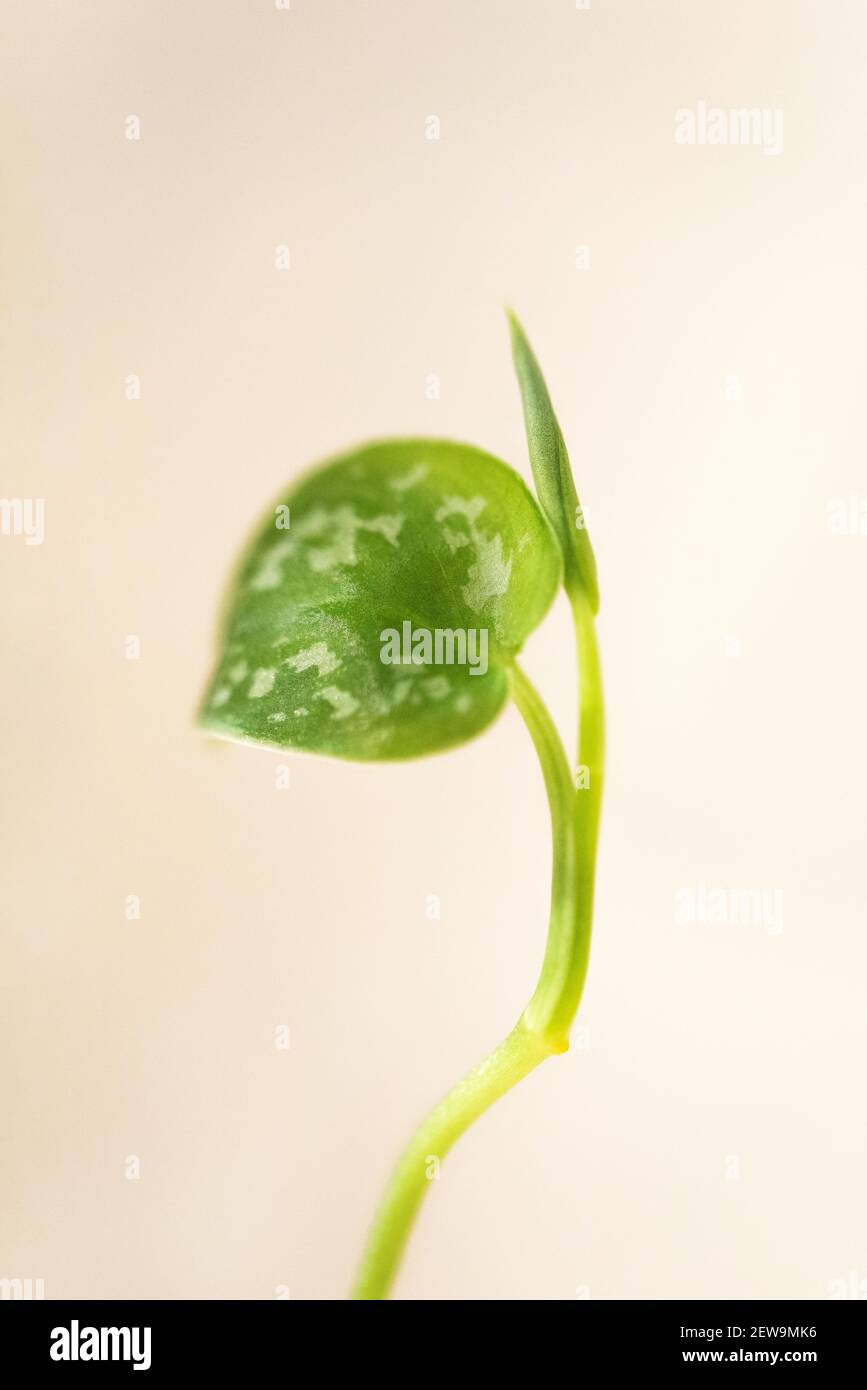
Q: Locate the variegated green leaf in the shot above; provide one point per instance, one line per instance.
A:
(402, 537)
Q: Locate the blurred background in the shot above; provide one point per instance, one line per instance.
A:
(239, 237)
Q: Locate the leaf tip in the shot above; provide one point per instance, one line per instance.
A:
(519, 340)
(551, 468)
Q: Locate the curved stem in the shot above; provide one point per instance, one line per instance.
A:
(543, 1028)
(517, 1055)
(567, 951)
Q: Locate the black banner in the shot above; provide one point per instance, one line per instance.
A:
(158, 1338)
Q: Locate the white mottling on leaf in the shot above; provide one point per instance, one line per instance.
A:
(269, 574)
(326, 538)
(455, 539)
(337, 530)
(262, 683)
(400, 692)
(301, 712)
(437, 687)
(408, 480)
(463, 703)
(277, 718)
(470, 507)
(388, 526)
(489, 576)
(319, 655)
(237, 672)
(340, 701)
(220, 696)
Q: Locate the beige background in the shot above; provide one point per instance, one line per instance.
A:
(609, 1170)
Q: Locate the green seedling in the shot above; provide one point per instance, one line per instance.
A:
(377, 615)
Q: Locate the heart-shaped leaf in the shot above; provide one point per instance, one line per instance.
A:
(374, 613)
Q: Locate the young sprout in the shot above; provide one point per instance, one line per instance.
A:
(377, 615)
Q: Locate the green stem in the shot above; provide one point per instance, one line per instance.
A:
(517, 1055)
(567, 951)
(543, 1028)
